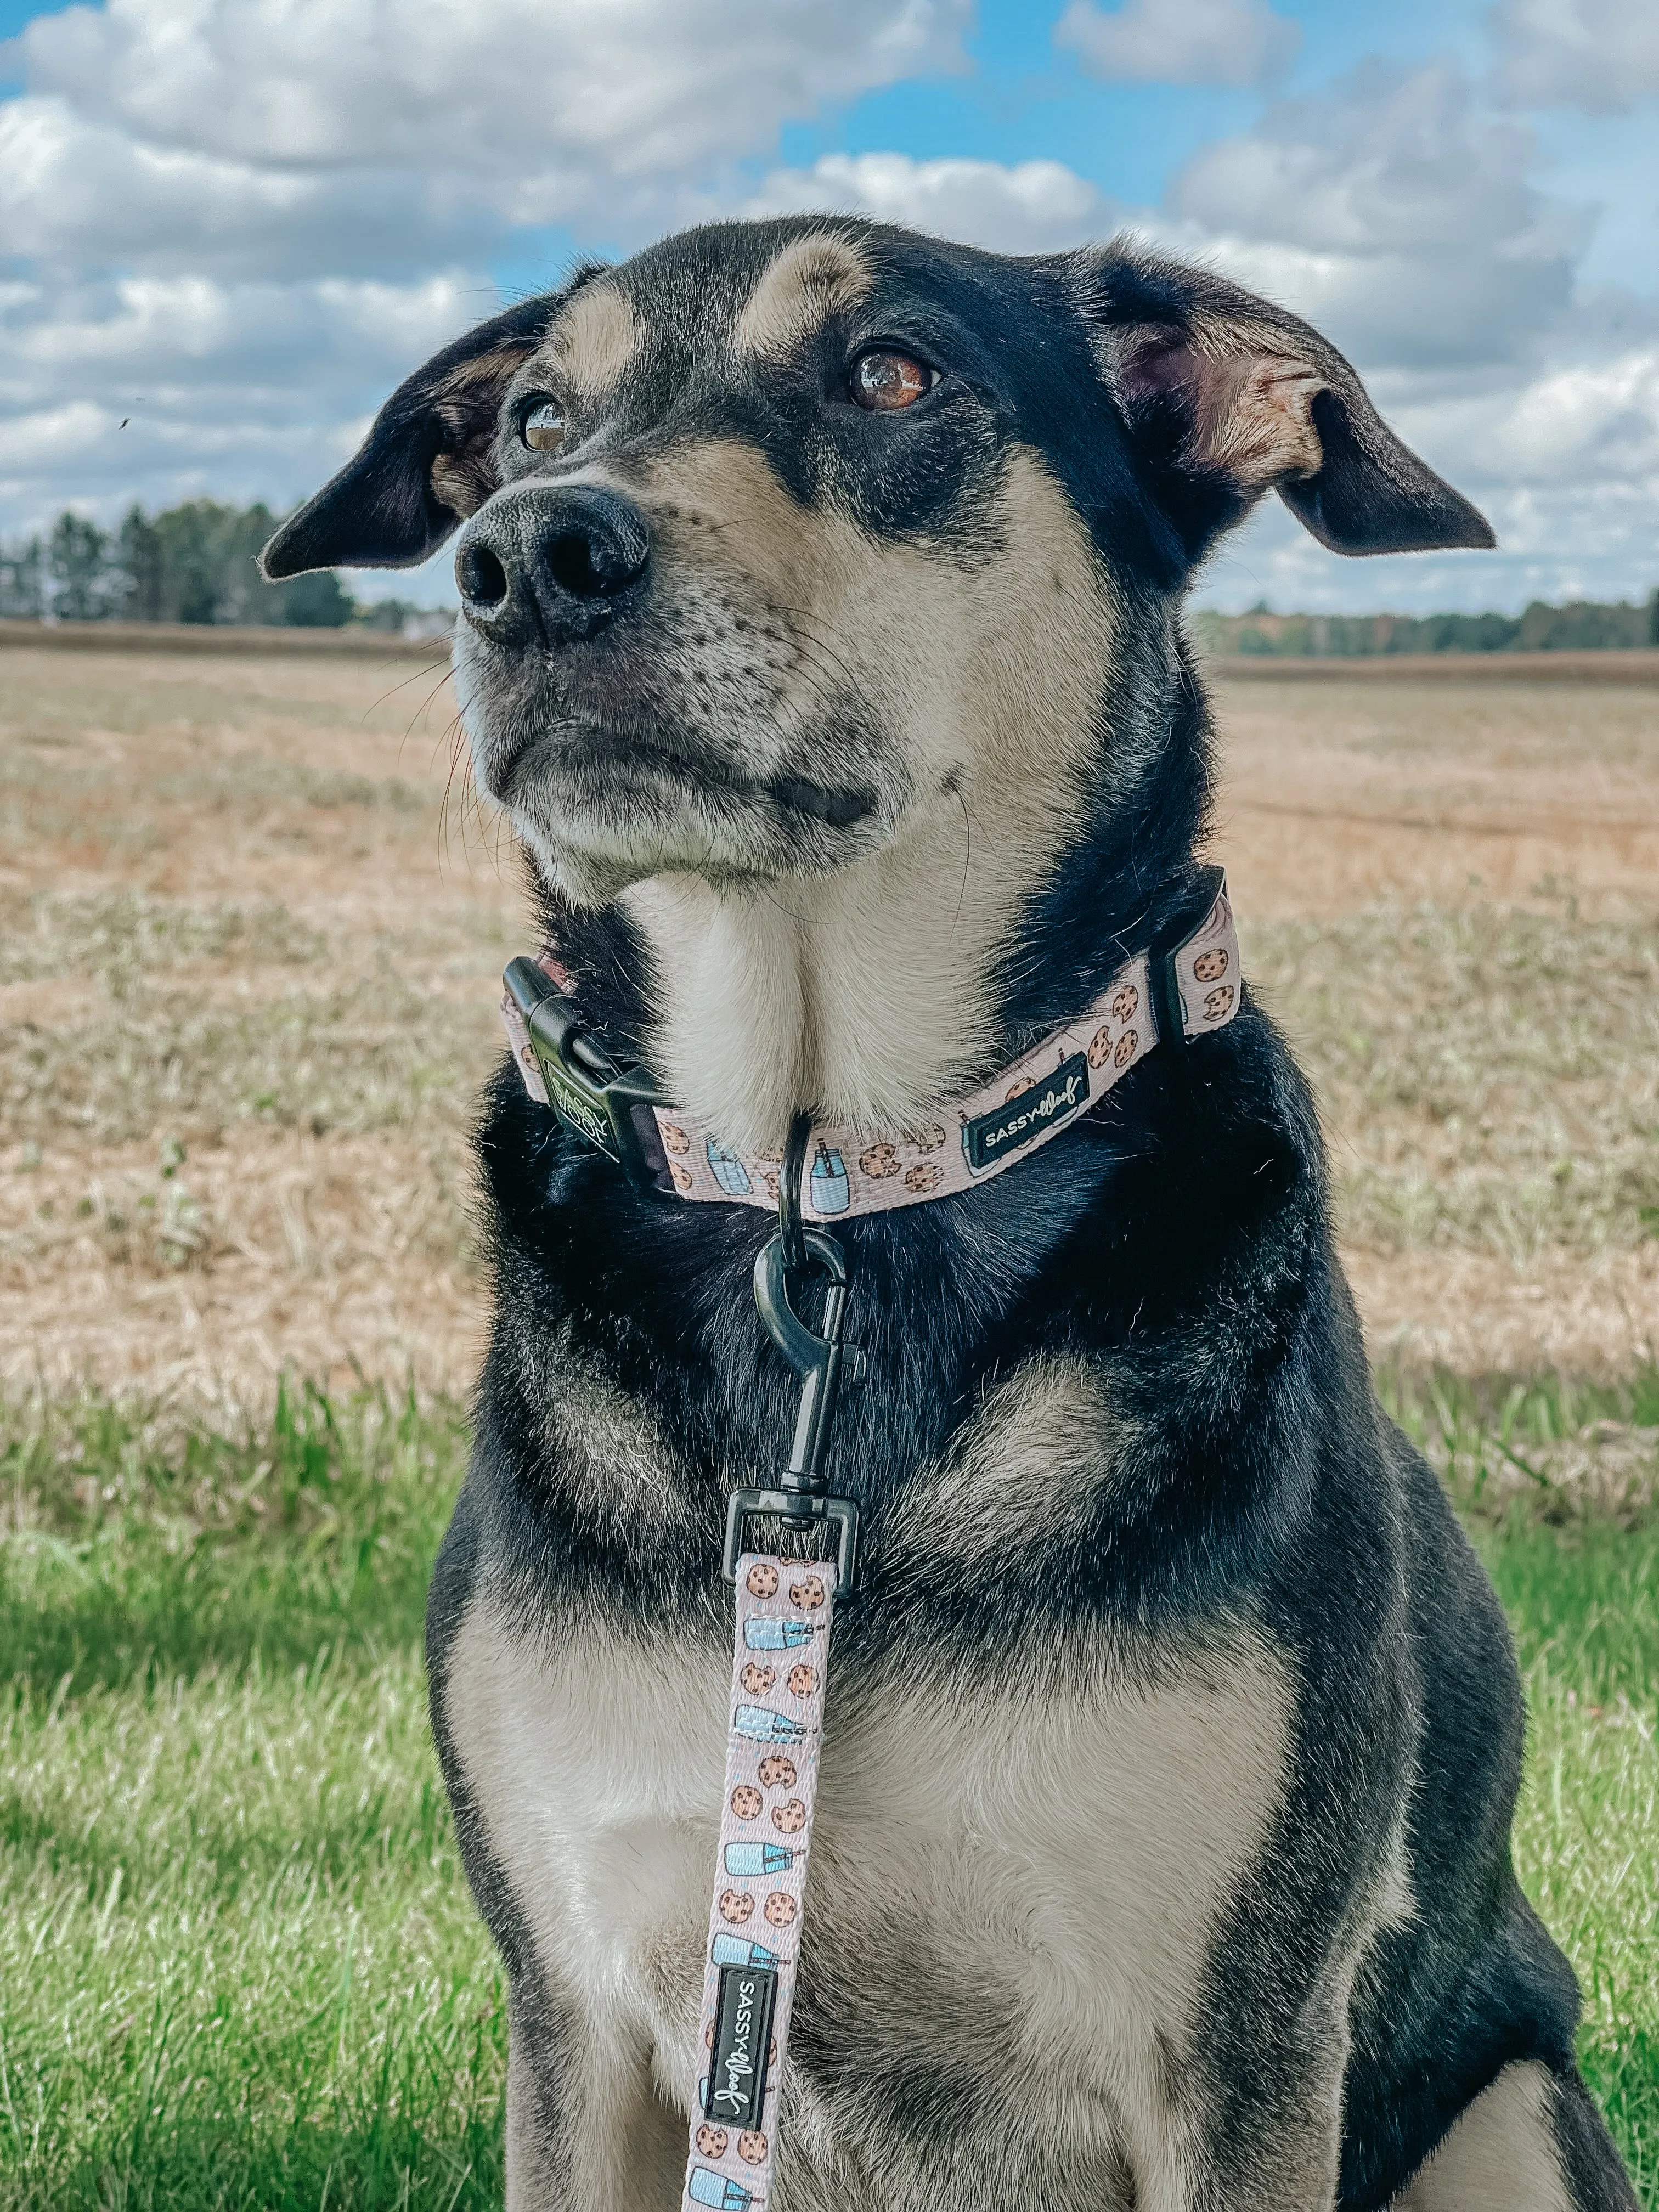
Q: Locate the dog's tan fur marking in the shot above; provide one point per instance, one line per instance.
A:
(1087, 1828)
(803, 285)
(1090, 1827)
(863, 994)
(1500, 2156)
(594, 339)
(610, 1454)
(1254, 410)
(462, 481)
(1045, 1441)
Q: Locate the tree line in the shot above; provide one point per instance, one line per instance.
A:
(1580, 626)
(196, 563)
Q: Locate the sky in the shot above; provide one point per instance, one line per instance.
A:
(228, 227)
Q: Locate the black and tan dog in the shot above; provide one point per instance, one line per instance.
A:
(822, 591)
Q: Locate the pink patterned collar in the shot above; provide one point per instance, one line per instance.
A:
(1194, 986)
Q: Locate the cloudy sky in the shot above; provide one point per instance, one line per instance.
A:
(231, 226)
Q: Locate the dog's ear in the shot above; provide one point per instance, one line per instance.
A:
(1227, 397)
(426, 464)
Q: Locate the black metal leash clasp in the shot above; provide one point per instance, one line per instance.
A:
(802, 1498)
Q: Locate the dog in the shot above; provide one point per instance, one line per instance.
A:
(821, 587)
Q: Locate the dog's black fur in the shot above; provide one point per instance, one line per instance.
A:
(1176, 1242)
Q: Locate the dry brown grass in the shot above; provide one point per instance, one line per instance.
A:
(1342, 795)
(247, 986)
(247, 971)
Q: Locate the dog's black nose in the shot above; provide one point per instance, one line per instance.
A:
(553, 561)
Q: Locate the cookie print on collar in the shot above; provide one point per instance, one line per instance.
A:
(1180, 992)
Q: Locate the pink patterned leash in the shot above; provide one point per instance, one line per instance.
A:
(778, 1675)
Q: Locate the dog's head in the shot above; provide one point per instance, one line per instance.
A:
(781, 535)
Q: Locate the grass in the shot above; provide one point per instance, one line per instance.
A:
(196, 1018)
(240, 1963)
(1490, 1076)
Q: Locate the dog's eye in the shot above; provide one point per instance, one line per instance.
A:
(885, 381)
(544, 426)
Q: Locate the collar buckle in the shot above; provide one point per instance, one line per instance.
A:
(607, 1108)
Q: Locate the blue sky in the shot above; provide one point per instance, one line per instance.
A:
(233, 224)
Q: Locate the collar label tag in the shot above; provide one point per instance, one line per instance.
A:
(1020, 1120)
(572, 1108)
(736, 2094)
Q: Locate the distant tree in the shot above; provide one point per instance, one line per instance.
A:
(210, 573)
(77, 563)
(195, 563)
(318, 601)
(1581, 626)
(23, 581)
(139, 577)
(389, 614)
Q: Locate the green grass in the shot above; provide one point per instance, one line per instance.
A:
(240, 1963)
(239, 1966)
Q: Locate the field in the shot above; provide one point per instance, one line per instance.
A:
(248, 954)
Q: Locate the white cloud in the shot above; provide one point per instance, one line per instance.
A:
(1236, 42)
(1585, 423)
(556, 89)
(1031, 207)
(80, 193)
(265, 137)
(1599, 55)
(245, 391)
(1397, 212)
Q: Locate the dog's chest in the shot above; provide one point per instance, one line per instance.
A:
(1046, 1865)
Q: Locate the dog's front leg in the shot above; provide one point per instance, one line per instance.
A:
(1274, 2142)
(586, 2129)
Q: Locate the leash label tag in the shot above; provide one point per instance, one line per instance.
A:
(743, 2035)
(1029, 1114)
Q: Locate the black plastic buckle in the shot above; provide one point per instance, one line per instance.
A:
(610, 1109)
(801, 1498)
(1164, 984)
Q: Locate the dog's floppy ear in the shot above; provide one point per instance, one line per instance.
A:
(425, 465)
(1227, 397)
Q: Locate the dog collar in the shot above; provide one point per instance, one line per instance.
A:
(1184, 987)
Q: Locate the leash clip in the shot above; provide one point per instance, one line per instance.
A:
(801, 1497)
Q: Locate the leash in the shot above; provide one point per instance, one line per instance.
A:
(780, 1671)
